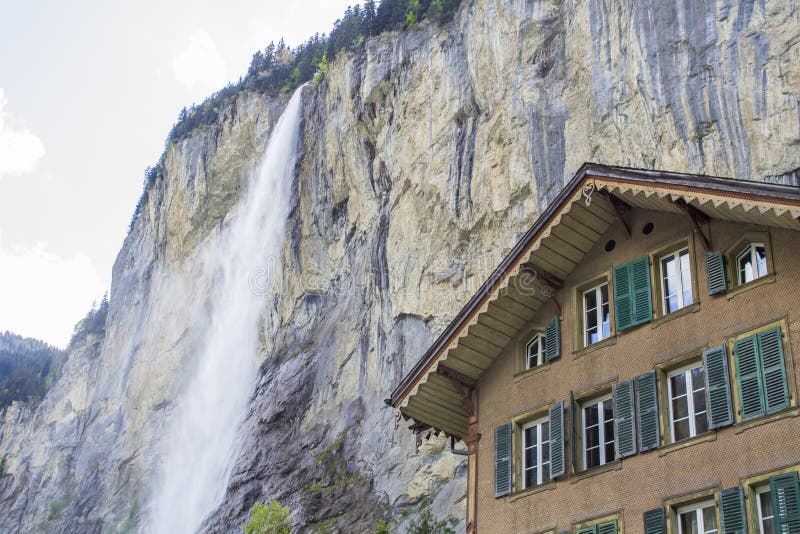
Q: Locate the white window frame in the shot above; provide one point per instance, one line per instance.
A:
(760, 490)
(540, 354)
(601, 433)
(677, 257)
(697, 508)
(539, 446)
(750, 250)
(598, 291)
(687, 372)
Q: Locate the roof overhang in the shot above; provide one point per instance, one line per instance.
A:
(547, 253)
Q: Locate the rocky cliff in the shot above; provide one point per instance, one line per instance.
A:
(424, 156)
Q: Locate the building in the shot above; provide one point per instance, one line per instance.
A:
(631, 365)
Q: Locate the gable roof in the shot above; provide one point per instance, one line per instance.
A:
(548, 251)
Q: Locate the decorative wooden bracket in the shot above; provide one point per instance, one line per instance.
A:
(556, 305)
(698, 218)
(620, 208)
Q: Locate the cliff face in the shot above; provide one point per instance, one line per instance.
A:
(424, 155)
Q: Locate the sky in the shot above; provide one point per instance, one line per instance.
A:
(88, 92)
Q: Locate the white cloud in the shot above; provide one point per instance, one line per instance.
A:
(43, 295)
(20, 149)
(199, 64)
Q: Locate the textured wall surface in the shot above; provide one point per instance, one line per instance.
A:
(425, 155)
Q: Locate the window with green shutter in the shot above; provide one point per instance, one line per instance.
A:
(552, 335)
(647, 411)
(624, 422)
(632, 297)
(715, 273)
(608, 527)
(731, 511)
(761, 374)
(786, 503)
(502, 460)
(655, 521)
(718, 389)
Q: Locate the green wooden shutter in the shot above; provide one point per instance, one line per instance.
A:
(786, 503)
(655, 522)
(715, 273)
(588, 530)
(574, 417)
(640, 286)
(502, 460)
(552, 339)
(748, 377)
(557, 463)
(609, 527)
(624, 424)
(718, 388)
(623, 303)
(647, 411)
(632, 297)
(731, 511)
(773, 370)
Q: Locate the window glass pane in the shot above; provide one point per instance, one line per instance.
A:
(697, 378)
(545, 473)
(686, 278)
(592, 458)
(546, 432)
(765, 515)
(530, 478)
(669, 271)
(709, 519)
(761, 260)
(680, 408)
(766, 503)
(701, 423)
(745, 265)
(606, 326)
(678, 385)
(681, 429)
(688, 522)
(699, 398)
(610, 451)
(590, 414)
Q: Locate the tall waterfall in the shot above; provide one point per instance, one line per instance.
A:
(202, 435)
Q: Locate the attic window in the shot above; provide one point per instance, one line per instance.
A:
(648, 228)
(751, 263)
(610, 245)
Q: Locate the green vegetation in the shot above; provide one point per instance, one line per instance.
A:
(28, 368)
(382, 528)
(280, 69)
(426, 523)
(3, 467)
(93, 323)
(270, 519)
(336, 473)
(57, 507)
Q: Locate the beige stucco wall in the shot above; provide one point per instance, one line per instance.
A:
(644, 481)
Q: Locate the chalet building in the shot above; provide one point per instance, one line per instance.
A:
(631, 366)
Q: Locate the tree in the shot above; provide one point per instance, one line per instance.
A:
(270, 519)
(426, 523)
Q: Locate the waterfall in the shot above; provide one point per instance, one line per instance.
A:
(201, 436)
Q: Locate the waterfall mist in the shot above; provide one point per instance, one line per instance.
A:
(201, 437)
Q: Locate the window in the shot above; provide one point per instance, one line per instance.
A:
(535, 351)
(698, 518)
(596, 315)
(598, 432)
(766, 516)
(676, 281)
(751, 263)
(687, 402)
(535, 453)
